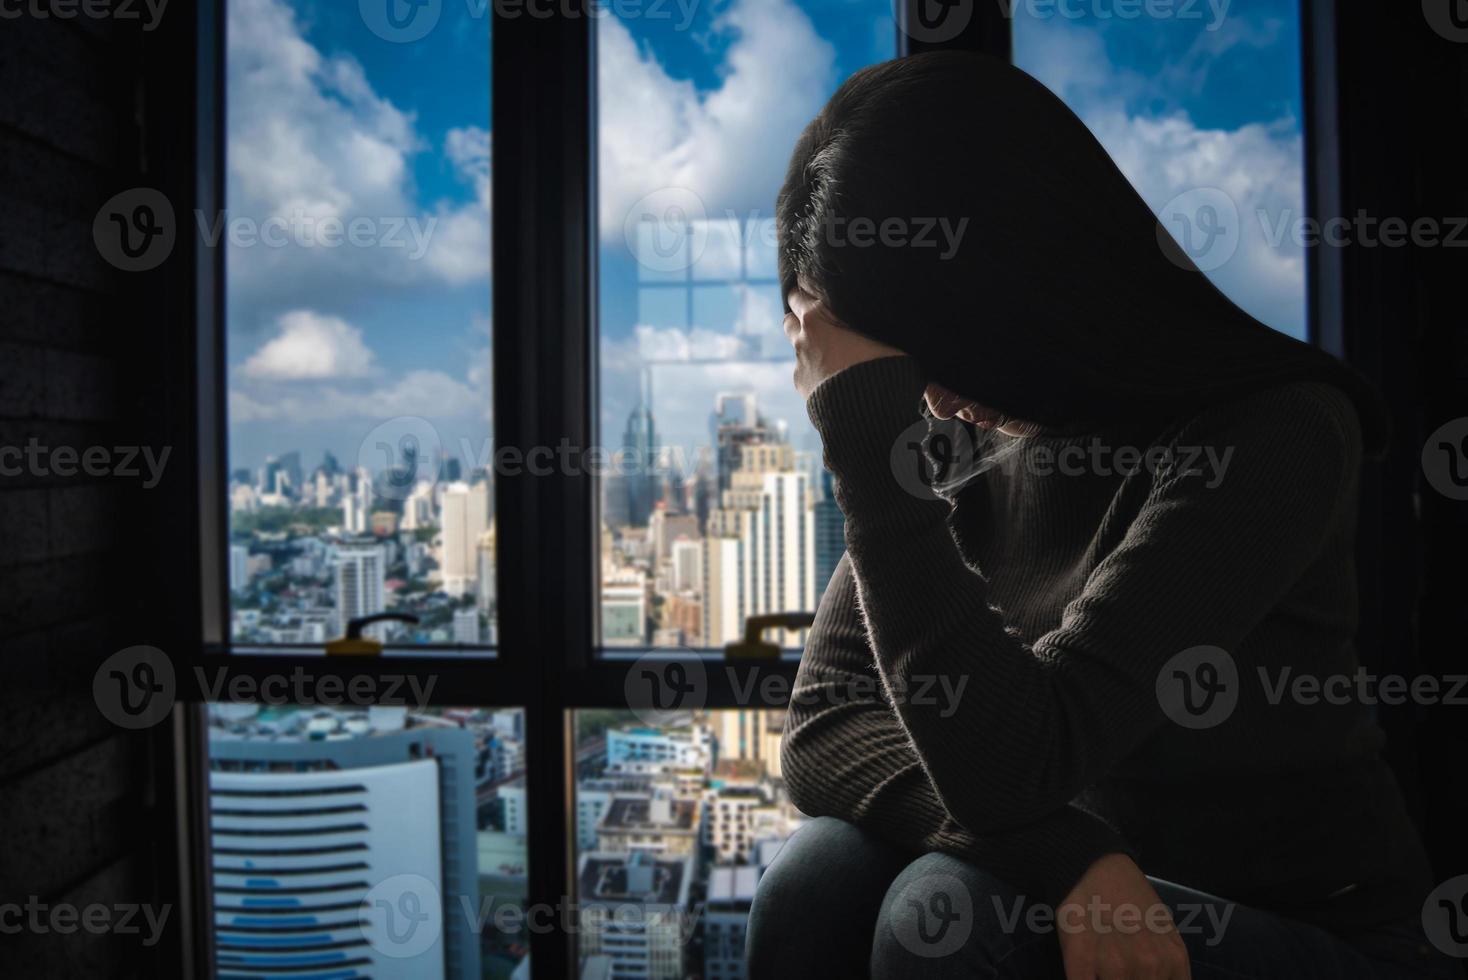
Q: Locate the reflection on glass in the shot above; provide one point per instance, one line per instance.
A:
(383, 842)
(357, 319)
(675, 822)
(714, 508)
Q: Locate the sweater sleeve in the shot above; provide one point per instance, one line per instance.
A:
(845, 754)
(1202, 564)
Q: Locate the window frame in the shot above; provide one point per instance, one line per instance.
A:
(548, 661)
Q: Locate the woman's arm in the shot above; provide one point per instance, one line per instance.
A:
(846, 755)
(1200, 565)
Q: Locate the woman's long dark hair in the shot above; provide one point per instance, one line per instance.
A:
(1062, 301)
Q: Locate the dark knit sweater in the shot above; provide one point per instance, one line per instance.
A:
(1056, 600)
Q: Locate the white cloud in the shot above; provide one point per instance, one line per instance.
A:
(430, 394)
(729, 145)
(311, 346)
(310, 140)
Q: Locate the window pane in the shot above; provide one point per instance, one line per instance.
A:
(1202, 110)
(675, 822)
(377, 842)
(357, 240)
(710, 509)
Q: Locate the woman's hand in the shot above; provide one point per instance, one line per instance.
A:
(823, 344)
(1112, 926)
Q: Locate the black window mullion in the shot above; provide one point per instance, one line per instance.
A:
(543, 398)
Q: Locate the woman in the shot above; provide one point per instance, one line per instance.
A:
(1045, 717)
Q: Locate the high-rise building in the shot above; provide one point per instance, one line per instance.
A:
(830, 531)
(759, 550)
(632, 493)
(239, 568)
(359, 570)
(466, 627)
(635, 911)
(486, 590)
(686, 558)
(726, 921)
(277, 868)
(465, 518)
(418, 508)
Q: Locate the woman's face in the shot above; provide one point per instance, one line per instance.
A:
(945, 404)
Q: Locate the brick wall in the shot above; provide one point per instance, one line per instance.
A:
(74, 789)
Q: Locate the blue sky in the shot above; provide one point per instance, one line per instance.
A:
(329, 119)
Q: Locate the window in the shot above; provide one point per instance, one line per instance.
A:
(381, 841)
(357, 240)
(716, 508)
(675, 820)
(1203, 113)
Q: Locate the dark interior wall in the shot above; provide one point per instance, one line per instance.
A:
(77, 804)
(1402, 118)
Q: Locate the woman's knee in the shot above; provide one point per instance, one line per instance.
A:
(824, 887)
(943, 917)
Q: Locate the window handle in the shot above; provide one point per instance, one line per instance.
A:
(354, 643)
(754, 646)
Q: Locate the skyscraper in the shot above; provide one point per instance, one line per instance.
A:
(465, 518)
(358, 570)
(759, 549)
(830, 529)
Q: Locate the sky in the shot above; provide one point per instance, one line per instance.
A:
(699, 104)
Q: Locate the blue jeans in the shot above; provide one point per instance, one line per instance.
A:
(838, 902)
